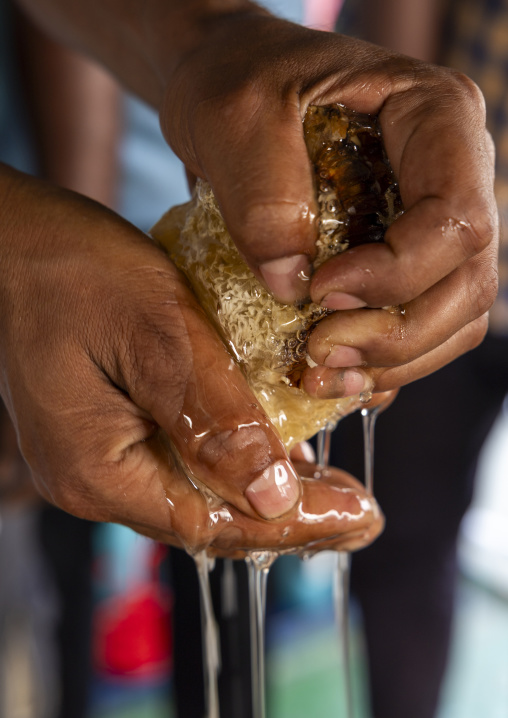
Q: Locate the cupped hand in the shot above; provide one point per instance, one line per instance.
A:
(334, 512)
(115, 380)
(233, 112)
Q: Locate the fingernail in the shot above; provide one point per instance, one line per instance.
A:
(341, 356)
(287, 278)
(275, 491)
(341, 300)
(353, 382)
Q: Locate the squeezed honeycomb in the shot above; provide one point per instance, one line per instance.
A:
(358, 199)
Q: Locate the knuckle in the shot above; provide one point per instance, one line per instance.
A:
(242, 98)
(153, 356)
(260, 213)
(271, 229)
(468, 89)
(73, 493)
(404, 289)
(477, 330)
(484, 290)
(478, 230)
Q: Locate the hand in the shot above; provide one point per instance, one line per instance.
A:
(333, 513)
(114, 380)
(233, 112)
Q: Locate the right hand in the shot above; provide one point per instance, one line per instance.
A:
(233, 113)
(104, 354)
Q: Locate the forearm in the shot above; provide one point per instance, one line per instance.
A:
(412, 27)
(141, 41)
(75, 109)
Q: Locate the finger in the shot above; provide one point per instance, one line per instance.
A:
(463, 341)
(257, 164)
(149, 491)
(151, 340)
(382, 338)
(180, 373)
(422, 247)
(127, 474)
(334, 512)
(324, 383)
(443, 161)
(187, 517)
(140, 485)
(267, 199)
(139, 482)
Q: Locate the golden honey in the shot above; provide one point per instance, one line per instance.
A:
(358, 198)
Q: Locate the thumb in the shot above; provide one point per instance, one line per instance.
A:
(183, 376)
(270, 210)
(266, 198)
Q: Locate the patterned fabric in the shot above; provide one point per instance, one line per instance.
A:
(475, 42)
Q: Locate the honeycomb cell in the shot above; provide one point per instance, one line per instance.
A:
(358, 198)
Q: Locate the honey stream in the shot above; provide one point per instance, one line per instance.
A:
(369, 417)
(358, 198)
(342, 570)
(340, 583)
(258, 567)
(211, 647)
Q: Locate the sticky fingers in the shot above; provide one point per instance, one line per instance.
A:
(327, 383)
(374, 340)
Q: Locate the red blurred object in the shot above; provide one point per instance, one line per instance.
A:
(132, 631)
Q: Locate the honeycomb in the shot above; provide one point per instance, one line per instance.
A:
(358, 198)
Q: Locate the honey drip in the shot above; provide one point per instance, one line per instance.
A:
(340, 584)
(358, 199)
(211, 647)
(258, 566)
(369, 417)
(341, 598)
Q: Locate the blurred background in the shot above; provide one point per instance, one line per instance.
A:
(98, 622)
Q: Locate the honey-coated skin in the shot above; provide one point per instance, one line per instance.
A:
(101, 342)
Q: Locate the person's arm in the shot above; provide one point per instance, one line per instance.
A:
(110, 370)
(232, 82)
(101, 346)
(411, 27)
(76, 115)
